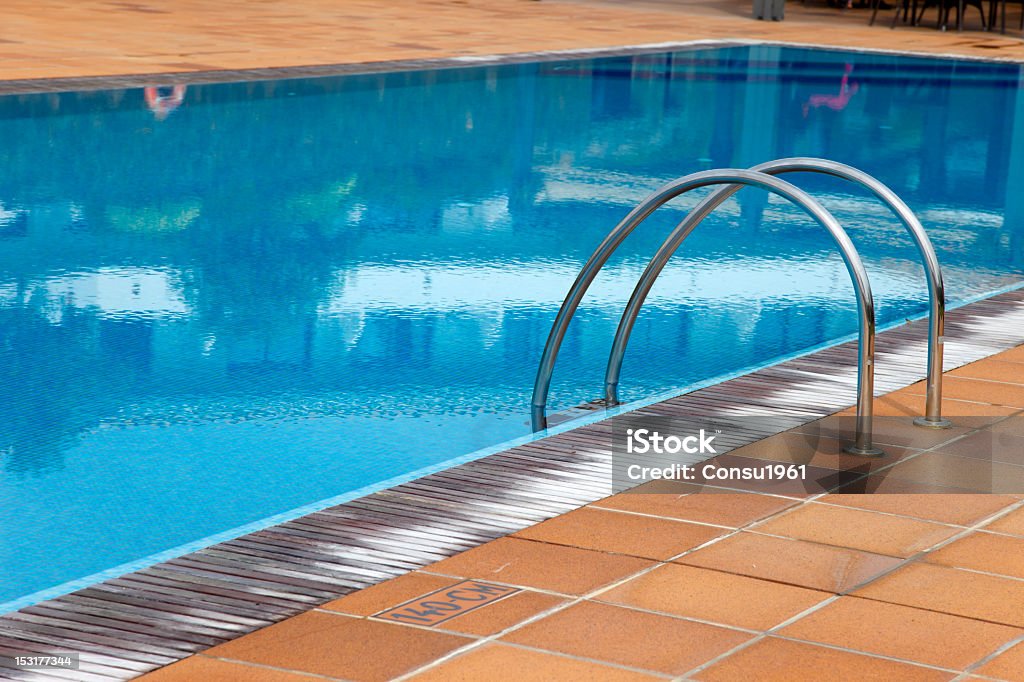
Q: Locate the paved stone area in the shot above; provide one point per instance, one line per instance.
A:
(73, 38)
(720, 585)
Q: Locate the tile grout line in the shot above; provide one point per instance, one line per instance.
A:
(984, 660)
(586, 597)
(849, 591)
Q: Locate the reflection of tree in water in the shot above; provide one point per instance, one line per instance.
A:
(51, 382)
(261, 276)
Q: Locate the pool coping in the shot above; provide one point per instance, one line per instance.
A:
(144, 620)
(32, 86)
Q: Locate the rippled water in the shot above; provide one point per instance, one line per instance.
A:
(222, 304)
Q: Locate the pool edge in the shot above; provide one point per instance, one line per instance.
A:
(28, 86)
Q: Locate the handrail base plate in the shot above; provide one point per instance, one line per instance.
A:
(863, 452)
(940, 423)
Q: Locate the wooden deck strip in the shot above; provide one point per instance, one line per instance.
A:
(144, 620)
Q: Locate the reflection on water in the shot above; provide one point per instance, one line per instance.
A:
(290, 289)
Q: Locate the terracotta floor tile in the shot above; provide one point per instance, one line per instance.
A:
(883, 483)
(806, 564)
(905, 403)
(950, 590)
(988, 446)
(1013, 426)
(979, 390)
(724, 509)
(958, 509)
(935, 468)
(206, 669)
(1008, 665)
(988, 552)
(113, 38)
(622, 533)
(776, 660)
(341, 646)
(719, 597)
(1012, 523)
(633, 638)
(814, 449)
(502, 663)
(937, 639)
(1012, 355)
(893, 434)
(856, 529)
(568, 570)
(389, 593)
(493, 618)
(992, 369)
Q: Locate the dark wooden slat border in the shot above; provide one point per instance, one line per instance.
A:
(141, 621)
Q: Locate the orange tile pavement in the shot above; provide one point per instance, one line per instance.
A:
(705, 586)
(71, 38)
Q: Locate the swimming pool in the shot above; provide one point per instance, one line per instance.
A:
(228, 302)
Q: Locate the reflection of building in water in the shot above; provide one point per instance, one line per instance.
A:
(301, 244)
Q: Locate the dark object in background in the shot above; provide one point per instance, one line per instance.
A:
(770, 9)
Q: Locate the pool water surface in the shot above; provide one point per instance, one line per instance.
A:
(224, 302)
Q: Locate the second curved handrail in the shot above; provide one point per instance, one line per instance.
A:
(936, 291)
(866, 325)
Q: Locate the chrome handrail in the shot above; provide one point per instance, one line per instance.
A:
(936, 291)
(730, 176)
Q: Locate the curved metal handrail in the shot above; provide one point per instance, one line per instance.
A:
(936, 291)
(730, 176)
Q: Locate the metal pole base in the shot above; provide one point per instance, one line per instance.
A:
(933, 423)
(863, 452)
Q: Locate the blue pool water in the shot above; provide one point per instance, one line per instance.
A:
(277, 293)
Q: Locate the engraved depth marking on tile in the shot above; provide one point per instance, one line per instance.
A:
(444, 604)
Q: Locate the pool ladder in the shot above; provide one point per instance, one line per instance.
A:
(762, 176)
